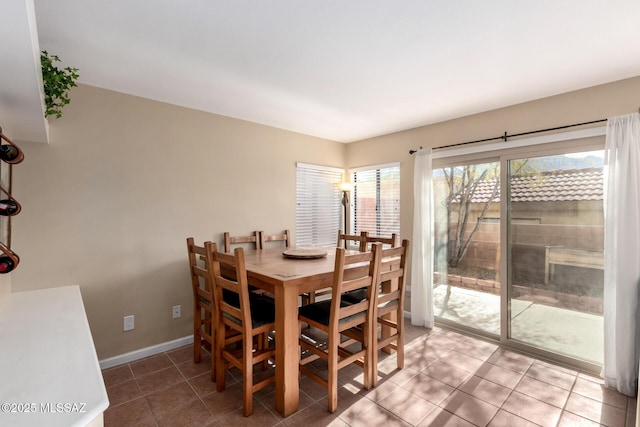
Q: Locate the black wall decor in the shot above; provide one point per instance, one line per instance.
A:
(10, 154)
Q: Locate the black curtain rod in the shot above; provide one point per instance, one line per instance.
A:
(505, 136)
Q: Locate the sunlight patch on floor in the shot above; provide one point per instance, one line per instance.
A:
(566, 332)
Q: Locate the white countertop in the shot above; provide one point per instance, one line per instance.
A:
(49, 371)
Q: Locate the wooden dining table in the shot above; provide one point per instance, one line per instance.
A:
(286, 279)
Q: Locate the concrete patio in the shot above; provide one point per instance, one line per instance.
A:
(566, 332)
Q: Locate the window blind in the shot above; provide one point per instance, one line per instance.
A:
(376, 200)
(318, 208)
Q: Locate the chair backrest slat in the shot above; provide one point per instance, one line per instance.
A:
(343, 239)
(353, 309)
(350, 285)
(391, 241)
(267, 238)
(252, 240)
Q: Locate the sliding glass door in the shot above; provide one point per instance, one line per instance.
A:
(555, 253)
(519, 240)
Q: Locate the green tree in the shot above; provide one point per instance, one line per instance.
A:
(463, 182)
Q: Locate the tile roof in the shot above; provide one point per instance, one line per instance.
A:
(552, 186)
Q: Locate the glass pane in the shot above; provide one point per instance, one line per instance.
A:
(467, 241)
(556, 244)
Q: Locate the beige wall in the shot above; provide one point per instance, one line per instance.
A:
(109, 202)
(5, 288)
(575, 107)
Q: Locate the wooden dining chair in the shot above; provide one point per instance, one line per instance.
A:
(204, 304)
(253, 240)
(337, 319)
(390, 304)
(252, 319)
(359, 240)
(267, 238)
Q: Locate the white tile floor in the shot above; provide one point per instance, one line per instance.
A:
(448, 380)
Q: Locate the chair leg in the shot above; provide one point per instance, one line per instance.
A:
(197, 348)
(400, 340)
(220, 363)
(208, 324)
(213, 366)
(368, 345)
(197, 339)
(214, 359)
(247, 378)
(332, 376)
(374, 356)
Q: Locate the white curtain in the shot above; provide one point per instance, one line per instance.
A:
(622, 253)
(422, 252)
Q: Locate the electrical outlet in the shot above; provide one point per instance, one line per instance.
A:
(128, 323)
(177, 311)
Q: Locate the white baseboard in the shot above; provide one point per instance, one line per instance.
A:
(145, 352)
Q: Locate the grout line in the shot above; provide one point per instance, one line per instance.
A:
(567, 400)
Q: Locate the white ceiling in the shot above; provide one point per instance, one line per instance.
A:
(343, 69)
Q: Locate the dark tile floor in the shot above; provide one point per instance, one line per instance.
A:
(448, 380)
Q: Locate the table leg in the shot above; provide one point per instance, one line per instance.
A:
(287, 350)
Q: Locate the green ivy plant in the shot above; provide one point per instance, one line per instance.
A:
(57, 82)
